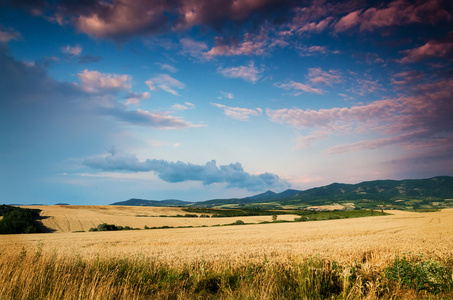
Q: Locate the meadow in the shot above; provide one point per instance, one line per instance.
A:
(406, 255)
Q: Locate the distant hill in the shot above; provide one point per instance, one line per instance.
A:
(409, 192)
(400, 194)
(141, 202)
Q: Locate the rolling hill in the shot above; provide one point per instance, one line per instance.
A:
(401, 194)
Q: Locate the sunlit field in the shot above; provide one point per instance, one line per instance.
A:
(245, 261)
(67, 218)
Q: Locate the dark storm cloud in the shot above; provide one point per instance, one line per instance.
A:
(233, 174)
(121, 19)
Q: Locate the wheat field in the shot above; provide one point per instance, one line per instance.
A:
(333, 259)
(343, 240)
(69, 218)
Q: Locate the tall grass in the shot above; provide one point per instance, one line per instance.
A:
(38, 275)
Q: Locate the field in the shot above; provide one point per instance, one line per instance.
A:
(66, 218)
(358, 251)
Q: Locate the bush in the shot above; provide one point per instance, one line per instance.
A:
(190, 216)
(18, 220)
(111, 227)
(427, 275)
(239, 222)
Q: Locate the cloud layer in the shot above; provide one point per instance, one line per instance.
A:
(233, 175)
(30, 86)
(419, 120)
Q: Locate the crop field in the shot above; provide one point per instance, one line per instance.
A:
(335, 259)
(67, 218)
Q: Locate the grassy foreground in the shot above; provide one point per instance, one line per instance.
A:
(35, 275)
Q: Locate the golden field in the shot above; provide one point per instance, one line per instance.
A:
(69, 218)
(255, 261)
(342, 240)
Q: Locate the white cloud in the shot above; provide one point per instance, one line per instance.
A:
(227, 95)
(168, 67)
(186, 105)
(150, 84)
(167, 83)
(193, 48)
(239, 113)
(248, 73)
(76, 50)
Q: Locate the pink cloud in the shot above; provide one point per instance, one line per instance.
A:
(297, 86)
(198, 12)
(308, 140)
(120, 19)
(135, 98)
(248, 73)
(408, 77)
(9, 34)
(318, 76)
(334, 118)
(440, 49)
(315, 27)
(363, 84)
(76, 50)
(398, 12)
(314, 50)
(379, 143)
(423, 119)
(348, 21)
(96, 82)
(252, 45)
(318, 16)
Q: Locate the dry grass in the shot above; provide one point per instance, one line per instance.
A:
(372, 242)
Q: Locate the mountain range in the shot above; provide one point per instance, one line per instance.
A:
(398, 194)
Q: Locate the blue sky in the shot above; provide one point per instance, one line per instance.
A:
(102, 101)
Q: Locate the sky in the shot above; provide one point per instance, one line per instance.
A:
(103, 101)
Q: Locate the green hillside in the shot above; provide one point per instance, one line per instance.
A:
(436, 192)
